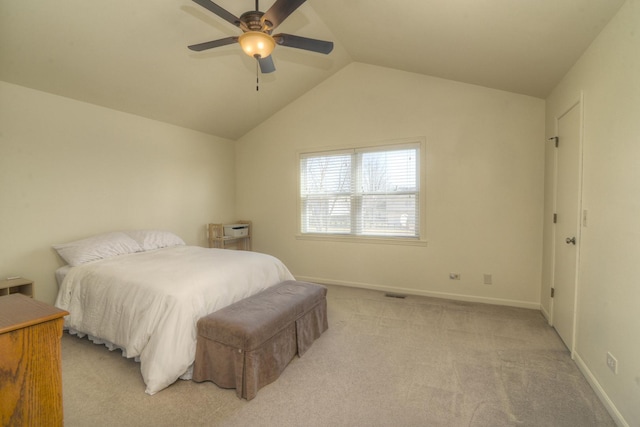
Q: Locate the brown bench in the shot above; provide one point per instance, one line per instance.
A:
(247, 345)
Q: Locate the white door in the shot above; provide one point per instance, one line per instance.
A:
(568, 177)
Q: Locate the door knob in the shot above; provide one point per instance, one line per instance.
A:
(571, 240)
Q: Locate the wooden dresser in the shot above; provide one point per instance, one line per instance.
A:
(30, 362)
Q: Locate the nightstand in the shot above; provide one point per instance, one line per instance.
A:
(236, 235)
(18, 285)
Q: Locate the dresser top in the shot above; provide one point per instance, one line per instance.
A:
(18, 311)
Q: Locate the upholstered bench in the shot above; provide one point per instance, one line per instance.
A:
(247, 345)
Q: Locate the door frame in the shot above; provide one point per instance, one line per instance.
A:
(579, 102)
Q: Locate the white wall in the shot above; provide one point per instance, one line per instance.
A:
(485, 165)
(609, 273)
(69, 170)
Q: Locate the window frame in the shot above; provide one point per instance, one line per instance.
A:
(419, 240)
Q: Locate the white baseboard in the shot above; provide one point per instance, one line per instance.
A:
(545, 313)
(411, 291)
(604, 398)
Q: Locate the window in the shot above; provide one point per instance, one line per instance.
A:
(365, 192)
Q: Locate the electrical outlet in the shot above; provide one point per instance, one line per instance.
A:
(612, 363)
(488, 279)
(454, 276)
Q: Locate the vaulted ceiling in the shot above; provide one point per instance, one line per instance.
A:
(132, 56)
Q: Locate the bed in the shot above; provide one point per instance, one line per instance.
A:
(143, 292)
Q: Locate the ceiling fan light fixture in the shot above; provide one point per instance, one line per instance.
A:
(257, 44)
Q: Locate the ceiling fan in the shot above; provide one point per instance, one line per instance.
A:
(256, 39)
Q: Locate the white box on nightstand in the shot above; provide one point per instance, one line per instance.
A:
(236, 230)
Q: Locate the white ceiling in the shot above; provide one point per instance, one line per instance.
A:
(132, 55)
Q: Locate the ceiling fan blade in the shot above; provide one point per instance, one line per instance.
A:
(222, 13)
(266, 65)
(305, 43)
(215, 43)
(280, 10)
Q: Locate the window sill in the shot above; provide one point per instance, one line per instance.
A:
(362, 239)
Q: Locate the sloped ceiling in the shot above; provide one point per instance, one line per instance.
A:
(132, 56)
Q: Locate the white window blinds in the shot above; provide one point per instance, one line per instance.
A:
(363, 192)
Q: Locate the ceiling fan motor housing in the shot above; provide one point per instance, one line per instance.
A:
(252, 20)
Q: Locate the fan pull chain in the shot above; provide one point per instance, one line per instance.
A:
(257, 77)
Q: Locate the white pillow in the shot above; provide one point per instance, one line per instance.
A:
(98, 247)
(154, 239)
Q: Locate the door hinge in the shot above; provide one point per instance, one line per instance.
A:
(555, 218)
(555, 139)
(553, 292)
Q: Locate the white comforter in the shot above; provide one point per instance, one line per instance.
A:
(148, 303)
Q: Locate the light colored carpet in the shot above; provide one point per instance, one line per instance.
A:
(383, 362)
